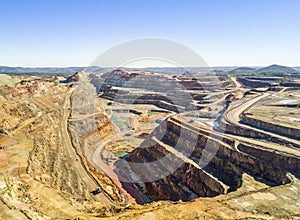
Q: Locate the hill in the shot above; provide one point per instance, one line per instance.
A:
(273, 70)
(48, 71)
(242, 71)
(277, 70)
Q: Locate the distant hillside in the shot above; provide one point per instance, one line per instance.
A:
(27, 71)
(242, 71)
(66, 71)
(277, 70)
(273, 70)
(48, 71)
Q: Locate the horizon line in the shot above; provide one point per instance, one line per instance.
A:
(61, 67)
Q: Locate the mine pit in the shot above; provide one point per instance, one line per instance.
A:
(125, 138)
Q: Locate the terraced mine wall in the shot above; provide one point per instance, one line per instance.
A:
(191, 84)
(99, 124)
(85, 119)
(153, 83)
(291, 84)
(186, 183)
(253, 83)
(222, 173)
(284, 160)
(266, 78)
(279, 129)
(247, 132)
(158, 100)
(227, 161)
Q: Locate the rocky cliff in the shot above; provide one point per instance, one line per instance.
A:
(207, 166)
(275, 128)
(248, 132)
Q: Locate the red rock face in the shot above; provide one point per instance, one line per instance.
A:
(31, 88)
(75, 78)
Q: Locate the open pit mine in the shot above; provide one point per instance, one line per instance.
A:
(139, 144)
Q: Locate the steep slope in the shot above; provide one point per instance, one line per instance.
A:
(221, 175)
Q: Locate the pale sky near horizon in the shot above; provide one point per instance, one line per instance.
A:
(223, 32)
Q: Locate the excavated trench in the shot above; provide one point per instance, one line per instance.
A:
(181, 162)
(206, 165)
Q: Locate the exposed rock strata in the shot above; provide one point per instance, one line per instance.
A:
(275, 128)
(222, 173)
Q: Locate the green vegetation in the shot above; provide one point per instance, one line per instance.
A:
(276, 70)
(273, 70)
(242, 71)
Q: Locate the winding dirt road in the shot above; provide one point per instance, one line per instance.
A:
(233, 117)
(78, 165)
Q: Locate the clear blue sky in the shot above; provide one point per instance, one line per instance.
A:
(223, 32)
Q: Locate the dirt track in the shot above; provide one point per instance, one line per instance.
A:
(233, 117)
(73, 157)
